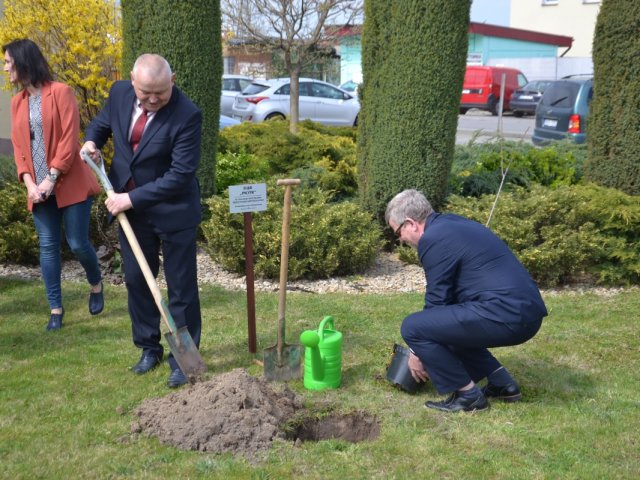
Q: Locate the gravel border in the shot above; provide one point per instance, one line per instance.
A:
(387, 275)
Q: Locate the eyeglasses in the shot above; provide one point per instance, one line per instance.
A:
(398, 231)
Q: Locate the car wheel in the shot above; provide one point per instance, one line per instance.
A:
(355, 122)
(275, 116)
(463, 111)
(518, 114)
(493, 106)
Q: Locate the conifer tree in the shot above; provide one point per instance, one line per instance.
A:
(613, 132)
(413, 61)
(188, 35)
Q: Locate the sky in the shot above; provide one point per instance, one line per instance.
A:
(495, 12)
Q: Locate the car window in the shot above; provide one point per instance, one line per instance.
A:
(326, 91)
(540, 86)
(254, 88)
(475, 76)
(229, 84)
(284, 90)
(244, 83)
(303, 89)
(560, 94)
(522, 80)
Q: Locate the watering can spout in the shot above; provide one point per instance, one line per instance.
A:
(323, 356)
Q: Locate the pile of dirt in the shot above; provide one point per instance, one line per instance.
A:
(233, 412)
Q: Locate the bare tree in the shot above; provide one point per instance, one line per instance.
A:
(298, 28)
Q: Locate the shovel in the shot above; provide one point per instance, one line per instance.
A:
(282, 361)
(180, 342)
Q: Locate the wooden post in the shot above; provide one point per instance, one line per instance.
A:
(251, 301)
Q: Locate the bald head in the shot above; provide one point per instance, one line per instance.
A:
(152, 81)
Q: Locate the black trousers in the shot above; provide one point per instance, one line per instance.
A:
(452, 343)
(179, 251)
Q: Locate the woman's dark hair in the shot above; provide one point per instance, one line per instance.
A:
(31, 66)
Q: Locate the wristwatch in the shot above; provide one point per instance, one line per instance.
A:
(53, 177)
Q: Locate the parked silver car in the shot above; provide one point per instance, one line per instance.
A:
(232, 85)
(319, 101)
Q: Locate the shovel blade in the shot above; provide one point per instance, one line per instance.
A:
(282, 366)
(186, 353)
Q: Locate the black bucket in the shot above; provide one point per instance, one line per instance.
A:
(398, 371)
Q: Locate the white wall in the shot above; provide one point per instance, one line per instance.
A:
(547, 68)
(572, 18)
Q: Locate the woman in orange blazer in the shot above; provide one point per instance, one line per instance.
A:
(45, 126)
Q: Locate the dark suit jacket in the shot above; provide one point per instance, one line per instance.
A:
(467, 264)
(165, 163)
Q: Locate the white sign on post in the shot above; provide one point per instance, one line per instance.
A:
(248, 198)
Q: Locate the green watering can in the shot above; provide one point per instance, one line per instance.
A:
(322, 356)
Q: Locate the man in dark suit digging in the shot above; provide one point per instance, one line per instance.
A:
(156, 133)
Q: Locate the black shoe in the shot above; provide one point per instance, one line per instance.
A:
(55, 321)
(456, 403)
(176, 379)
(96, 301)
(507, 393)
(147, 362)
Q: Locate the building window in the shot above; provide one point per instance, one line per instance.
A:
(550, 2)
(229, 64)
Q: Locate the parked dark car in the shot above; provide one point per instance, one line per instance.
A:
(525, 100)
(563, 110)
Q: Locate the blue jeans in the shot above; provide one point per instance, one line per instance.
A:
(49, 220)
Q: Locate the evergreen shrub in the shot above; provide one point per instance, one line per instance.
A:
(7, 170)
(477, 168)
(18, 238)
(571, 233)
(326, 238)
(238, 168)
(322, 156)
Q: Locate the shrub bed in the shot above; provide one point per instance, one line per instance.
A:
(18, 238)
(321, 156)
(477, 169)
(326, 238)
(562, 235)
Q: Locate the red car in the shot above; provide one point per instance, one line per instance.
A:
(482, 85)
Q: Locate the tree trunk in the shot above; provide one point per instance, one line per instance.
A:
(294, 92)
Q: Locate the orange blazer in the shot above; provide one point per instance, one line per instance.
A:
(61, 128)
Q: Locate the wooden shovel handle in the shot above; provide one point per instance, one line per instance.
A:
(288, 181)
(284, 258)
(146, 271)
(135, 246)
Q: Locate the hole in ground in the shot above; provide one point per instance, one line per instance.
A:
(352, 427)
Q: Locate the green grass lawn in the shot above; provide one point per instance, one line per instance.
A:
(66, 398)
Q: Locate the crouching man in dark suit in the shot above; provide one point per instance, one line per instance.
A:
(156, 132)
(479, 296)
